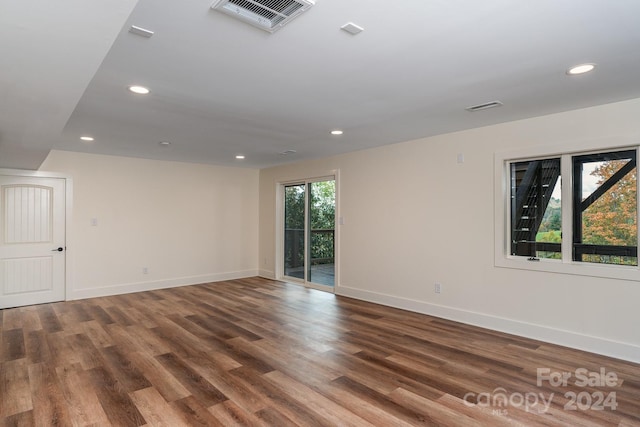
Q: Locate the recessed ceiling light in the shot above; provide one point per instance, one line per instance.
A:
(337, 132)
(87, 138)
(240, 157)
(580, 69)
(485, 106)
(164, 143)
(141, 90)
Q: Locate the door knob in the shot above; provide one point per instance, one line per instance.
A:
(60, 249)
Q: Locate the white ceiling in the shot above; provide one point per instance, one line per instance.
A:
(220, 87)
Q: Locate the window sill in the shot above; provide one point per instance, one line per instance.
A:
(619, 272)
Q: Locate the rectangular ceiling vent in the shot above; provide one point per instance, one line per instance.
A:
(268, 15)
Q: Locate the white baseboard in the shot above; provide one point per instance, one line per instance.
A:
(128, 288)
(575, 340)
(267, 274)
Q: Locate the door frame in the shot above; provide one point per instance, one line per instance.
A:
(68, 204)
(279, 228)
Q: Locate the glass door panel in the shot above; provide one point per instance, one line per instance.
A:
(294, 226)
(321, 232)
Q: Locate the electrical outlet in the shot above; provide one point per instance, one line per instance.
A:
(145, 270)
(437, 288)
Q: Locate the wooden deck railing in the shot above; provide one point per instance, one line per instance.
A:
(294, 247)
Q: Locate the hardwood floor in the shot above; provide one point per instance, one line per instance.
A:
(261, 352)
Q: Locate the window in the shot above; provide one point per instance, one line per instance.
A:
(536, 211)
(590, 224)
(605, 205)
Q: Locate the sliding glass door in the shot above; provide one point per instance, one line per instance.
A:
(309, 231)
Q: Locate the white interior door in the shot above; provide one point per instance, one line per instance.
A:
(32, 240)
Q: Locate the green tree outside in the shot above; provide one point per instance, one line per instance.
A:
(612, 219)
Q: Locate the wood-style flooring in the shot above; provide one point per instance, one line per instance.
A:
(263, 353)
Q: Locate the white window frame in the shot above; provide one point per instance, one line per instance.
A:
(502, 217)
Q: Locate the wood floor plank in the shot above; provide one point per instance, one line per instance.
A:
(12, 319)
(373, 413)
(326, 408)
(349, 365)
(70, 319)
(125, 338)
(280, 400)
(36, 346)
(14, 387)
(60, 349)
(433, 413)
(486, 417)
(97, 334)
(381, 400)
(233, 389)
(29, 319)
(181, 341)
(48, 318)
(147, 341)
(99, 314)
(162, 380)
(13, 345)
(49, 405)
(81, 396)
(155, 410)
(258, 352)
(23, 419)
(138, 313)
(291, 360)
(271, 417)
(87, 353)
(114, 399)
(119, 316)
(194, 414)
(232, 415)
(199, 387)
(123, 370)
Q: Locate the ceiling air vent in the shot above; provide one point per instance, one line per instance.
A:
(268, 15)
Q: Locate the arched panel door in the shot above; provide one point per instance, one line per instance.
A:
(32, 240)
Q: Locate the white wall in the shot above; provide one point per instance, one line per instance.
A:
(186, 223)
(415, 216)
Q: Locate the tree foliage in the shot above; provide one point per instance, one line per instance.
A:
(550, 230)
(294, 207)
(552, 219)
(611, 220)
(322, 207)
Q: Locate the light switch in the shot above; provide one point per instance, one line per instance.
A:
(94, 222)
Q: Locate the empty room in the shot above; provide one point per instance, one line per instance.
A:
(319, 213)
